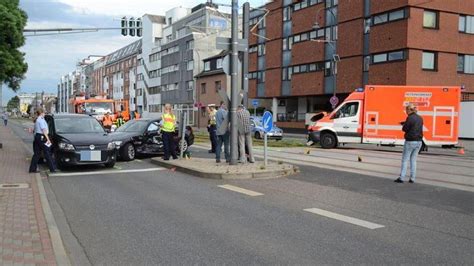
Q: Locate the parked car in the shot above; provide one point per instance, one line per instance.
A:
(80, 140)
(257, 129)
(141, 136)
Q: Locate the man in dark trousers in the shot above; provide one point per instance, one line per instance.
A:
(212, 127)
(413, 128)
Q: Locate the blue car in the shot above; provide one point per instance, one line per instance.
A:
(257, 129)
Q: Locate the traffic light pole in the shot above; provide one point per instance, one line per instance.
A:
(245, 58)
(234, 83)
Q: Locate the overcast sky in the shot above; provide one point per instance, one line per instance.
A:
(49, 57)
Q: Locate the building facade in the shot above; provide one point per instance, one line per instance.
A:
(304, 52)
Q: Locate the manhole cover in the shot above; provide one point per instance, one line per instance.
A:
(13, 186)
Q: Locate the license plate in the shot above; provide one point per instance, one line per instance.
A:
(91, 156)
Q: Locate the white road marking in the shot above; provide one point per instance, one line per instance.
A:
(344, 218)
(241, 190)
(109, 172)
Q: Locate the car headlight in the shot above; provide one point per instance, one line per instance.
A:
(118, 143)
(111, 146)
(66, 146)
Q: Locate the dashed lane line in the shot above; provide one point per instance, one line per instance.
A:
(344, 218)
(241, 190)
(108, 172)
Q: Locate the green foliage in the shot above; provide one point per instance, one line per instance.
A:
(12, 62)
(13, 103)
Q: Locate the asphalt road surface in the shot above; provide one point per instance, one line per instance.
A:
(141, 214)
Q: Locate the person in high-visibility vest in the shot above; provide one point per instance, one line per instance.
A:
(120, 120)
(137, 115)
(168, 120)
(107, 121)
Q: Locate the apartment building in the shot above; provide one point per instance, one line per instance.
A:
(304, 52)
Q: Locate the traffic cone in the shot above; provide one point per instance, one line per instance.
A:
(359, 159)
(461, 151)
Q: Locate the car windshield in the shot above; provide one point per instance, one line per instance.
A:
(98, 107)
(133, 126)
(82, 125)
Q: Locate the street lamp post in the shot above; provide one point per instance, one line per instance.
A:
(333, 43)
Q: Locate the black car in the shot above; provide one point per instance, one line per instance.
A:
(80, 140)
(138, 136)
(141, 136)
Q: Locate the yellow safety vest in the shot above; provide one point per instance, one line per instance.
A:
(212, 117)
(169, 121)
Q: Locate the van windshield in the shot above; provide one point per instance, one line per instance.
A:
(347, 110)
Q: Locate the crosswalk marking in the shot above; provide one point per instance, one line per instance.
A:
(107, 172)
(344, 218)
(241, 190)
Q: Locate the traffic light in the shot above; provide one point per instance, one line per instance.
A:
(124, 26)
(131, 26)
(139, 27)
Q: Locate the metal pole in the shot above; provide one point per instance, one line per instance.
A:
(245, 58)
(183, 131)
(234, 83)
(265, 143)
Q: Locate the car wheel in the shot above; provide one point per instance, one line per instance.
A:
(110, 165)
(128, 152)
(257, 135)
(328, 141)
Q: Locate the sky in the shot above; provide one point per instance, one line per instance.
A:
(50, 57)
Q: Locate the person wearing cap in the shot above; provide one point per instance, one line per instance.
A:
(413, 128)
(212, 127)
(244, 130)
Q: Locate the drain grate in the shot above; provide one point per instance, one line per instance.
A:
(14, 186)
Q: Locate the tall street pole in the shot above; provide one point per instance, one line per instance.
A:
(234, 82)
(245, 58)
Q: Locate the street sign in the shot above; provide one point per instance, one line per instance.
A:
(334, 101)
(255, 102)
(267, 121)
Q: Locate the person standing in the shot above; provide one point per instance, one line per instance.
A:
(41, 143)
(212, 127)
(120, 120)
(107, 121)
(5, 118)
(413, 128)
(136, 114)
(245, 137)
(222, 123)
(167, 132)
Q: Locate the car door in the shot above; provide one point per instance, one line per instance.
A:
(347, 124)
(152, 139)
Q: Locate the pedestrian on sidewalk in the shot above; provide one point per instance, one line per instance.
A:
(168, 126)
(41, 143)
(222, 123)
(413, 128)
(5, 118)
(244, 130)
(212, 127)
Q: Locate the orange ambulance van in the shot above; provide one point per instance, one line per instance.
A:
(375, 115)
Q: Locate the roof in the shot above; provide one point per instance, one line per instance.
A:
(156, 18)
(219, 55)
(123, 52)
(210, 73)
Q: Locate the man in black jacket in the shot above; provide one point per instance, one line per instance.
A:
(413, 128)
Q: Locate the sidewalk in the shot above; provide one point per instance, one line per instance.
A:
(24, 235)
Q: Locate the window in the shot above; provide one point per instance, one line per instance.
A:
(286, 14)
(429, 61)
(153, 127)
(394, 56)
(252, 49)
(261, 49)
(379, 19)
(190, 45)
(396, 15)
(347, 110)
(466, 24)
(203, 88)
(379, 58)
(466, 64)
(219, 63)
(190, 65)
(387, 57)
(190, 85)
(207, 66)
(430, 19)
(390, 16)
(218, 85)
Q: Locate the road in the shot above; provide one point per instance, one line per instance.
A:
(319, 216)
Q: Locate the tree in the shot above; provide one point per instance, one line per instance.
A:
(12, 62)
(13, 103)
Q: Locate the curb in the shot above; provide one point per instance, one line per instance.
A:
(56, 241)
(210, 175)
